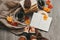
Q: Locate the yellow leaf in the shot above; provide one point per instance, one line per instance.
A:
(9, 18)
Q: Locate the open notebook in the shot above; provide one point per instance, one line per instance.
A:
(38, 22)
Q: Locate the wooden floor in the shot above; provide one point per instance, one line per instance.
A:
(52, 34)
